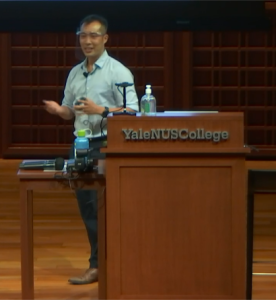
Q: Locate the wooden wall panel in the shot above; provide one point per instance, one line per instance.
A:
(226, 71)
(1, 95)
(149, 56)
(270, 5)
(38, 65)
(235, 71)
(179, 97)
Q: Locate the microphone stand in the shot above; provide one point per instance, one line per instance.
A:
(124, 112)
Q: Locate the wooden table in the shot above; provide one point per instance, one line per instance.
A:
(45, 180)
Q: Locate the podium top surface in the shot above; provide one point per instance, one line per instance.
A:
(184, 114)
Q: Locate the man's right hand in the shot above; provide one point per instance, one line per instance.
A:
(52, 107)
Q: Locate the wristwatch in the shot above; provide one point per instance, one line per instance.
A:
(105, 112)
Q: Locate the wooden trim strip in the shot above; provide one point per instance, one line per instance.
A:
(5, 93)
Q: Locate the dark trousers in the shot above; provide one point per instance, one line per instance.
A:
(87, 202)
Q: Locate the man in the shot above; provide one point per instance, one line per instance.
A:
(93, 80)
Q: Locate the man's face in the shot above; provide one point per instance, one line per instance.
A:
(92, 39)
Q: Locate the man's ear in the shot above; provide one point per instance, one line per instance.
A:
(106, 38)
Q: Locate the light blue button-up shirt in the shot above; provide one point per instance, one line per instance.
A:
(100, 87)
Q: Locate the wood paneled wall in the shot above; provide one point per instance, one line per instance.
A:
(225, 71)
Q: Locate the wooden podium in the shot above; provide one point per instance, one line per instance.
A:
(175, 208)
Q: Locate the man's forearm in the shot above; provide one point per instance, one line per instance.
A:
(65, 113)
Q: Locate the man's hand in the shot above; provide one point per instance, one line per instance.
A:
(55, 109)
(89, 107)
(52, 107)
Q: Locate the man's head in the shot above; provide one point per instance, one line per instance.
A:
(93, 35)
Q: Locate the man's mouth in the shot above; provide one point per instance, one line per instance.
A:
(88, 49)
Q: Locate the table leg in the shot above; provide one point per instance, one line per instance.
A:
(102, 245)
(27, 259)
(250, 226)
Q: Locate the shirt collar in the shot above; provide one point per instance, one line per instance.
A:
(99, 63)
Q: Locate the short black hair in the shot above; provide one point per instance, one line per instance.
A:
(92, 18)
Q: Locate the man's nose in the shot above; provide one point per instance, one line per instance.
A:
(88, 39)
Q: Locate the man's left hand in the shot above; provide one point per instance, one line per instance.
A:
(89, 107)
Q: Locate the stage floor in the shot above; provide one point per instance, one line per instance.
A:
(61, 247)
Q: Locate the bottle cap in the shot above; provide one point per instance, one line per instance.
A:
(81, 133)
(148, 89)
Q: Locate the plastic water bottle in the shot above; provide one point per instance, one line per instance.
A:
(148, 103)
(81, 142)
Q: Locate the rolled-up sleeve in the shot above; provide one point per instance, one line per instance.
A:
(68, 97)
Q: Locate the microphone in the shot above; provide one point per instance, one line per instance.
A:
(85, 74)
(55, 164)
(124, 84)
